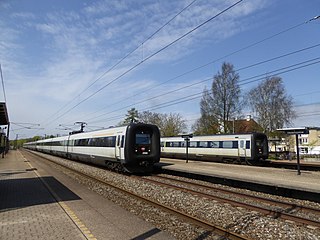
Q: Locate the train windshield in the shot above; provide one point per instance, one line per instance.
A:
(143, 138)
(259, 143)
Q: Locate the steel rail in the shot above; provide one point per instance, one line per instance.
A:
(263, 210)
(280, 203)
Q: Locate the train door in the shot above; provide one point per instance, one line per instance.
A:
(118, 150)
(242, 148)
(119, 147)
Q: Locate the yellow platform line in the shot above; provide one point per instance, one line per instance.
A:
(84, 230)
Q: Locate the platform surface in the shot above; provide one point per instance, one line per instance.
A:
(38, 202)
(287, 178)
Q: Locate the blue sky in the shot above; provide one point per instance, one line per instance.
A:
(58, 57)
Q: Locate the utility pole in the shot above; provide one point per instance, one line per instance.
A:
(82, 125)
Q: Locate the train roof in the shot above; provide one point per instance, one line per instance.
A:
(217, 135)
(93, 134)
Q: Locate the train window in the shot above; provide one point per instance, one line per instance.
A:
(247, 144)
(122, 141)
(109, 142)
(143, 138)
(92, 142)
(81, 142)
(175, 144)
(182, 144)
(168, 144)
(229, 144)
(118, 141)
(203, 144)
(258, 143)
(226, 144)
(213, 144)
(234, 144)
(192, 144)
(162, 144)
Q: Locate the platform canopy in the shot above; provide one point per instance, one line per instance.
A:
(296, 132)
(4, 119)
(293, 131)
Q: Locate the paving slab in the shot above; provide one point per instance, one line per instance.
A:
(39, 202)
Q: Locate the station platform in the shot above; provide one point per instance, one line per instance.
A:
(39, 202)
(277, 181)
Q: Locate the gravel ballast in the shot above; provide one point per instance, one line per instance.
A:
(238, 220)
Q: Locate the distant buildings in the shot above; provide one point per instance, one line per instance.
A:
(309, 144)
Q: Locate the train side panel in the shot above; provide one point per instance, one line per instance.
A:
(135, 147)
(217, 147)
(95, 147)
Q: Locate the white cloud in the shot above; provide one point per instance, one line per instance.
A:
(73, 48)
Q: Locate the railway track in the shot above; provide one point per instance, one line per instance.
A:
(210, 227)
(279, 209)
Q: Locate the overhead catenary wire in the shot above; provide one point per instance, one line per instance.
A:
(125, 57)
(220, 58)
(207, 79)
(146, 59)
(259, 77)
(242, 82)
(275, 35)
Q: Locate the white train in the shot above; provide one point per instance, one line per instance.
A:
(247, 147)
(135, 147)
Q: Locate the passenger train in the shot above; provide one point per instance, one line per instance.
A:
(135, 147)
(240, 147)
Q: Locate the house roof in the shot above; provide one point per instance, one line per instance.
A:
(245, 126)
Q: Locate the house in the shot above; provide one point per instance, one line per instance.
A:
(247, 125)
(309, 143)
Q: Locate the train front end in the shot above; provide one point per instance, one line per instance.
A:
(142, 148)
(260, 149)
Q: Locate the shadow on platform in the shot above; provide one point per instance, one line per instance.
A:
(19, 193)
(163, 164)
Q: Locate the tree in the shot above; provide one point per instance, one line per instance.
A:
(206, 124)
(131, 116)
(169, 124)
(151, 118)
(272, 106)
(220, 105)
(173, 124)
